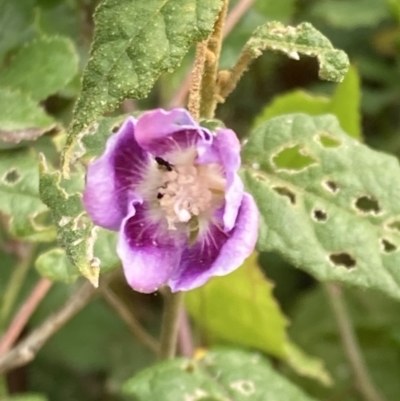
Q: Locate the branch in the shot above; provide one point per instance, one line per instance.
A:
(363, 381)
(136, 328)
(233, 17)
(27, 349)
(23, 315)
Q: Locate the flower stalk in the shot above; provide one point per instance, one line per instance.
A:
(170, 323)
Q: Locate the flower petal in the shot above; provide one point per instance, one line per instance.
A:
(161, 132)
(149, 253)
(111, 178)
(218, 253)
(228, 147)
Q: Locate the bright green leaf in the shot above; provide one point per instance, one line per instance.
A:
(19, 196)
(55, 266)
(240, 308)
(219, 376)
(42, 67)
(21, 118)
(345, 104)
(134, 42)
(336, 218)
(303, 39)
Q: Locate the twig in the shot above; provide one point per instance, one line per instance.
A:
(26, 350)
(185, 339)
(363, 381)
(208, 85)
(170, 323)
(237, 12)
(233, 17)
(25, 254)
(136, 328)
(23, 315)
(196, 79)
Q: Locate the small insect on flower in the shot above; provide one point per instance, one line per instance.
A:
(171, 189)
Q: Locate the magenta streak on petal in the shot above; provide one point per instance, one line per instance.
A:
(150, 254)
(112, 177)
(161, 132)
(218, 253)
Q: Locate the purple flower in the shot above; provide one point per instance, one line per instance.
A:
(172, 190)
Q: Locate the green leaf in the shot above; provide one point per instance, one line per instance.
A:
(19, 196)
(303, 39)
(345, 104)
(240, 308)
(55, 266)
(134, 42)
(219, 376)
(52, 62)
(21, 119)
(16, 24)
(351, 15)
(336, 218)
(25, 397)
(76, 232)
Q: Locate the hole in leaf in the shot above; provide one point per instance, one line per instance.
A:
(11, 177)
(327, 141)
(342, 259)
(283, 191)
(387, 246)
(395, 225)
(115, 128)
(320, 215)
(293, 158)
(331, 186)
(367, 204)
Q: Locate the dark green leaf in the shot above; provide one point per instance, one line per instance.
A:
(219, 376)
(336, 218)
(303, 39)
(134, 42)
(21, 119)
(52, 62)
(19, 196)
(25, 397)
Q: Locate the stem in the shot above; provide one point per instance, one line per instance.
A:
(363, 381)
(196, 80)
(233, 17)
(208, 85)
(15, 283)
(23, 315)
(227, 80)
(185, 342)
(28, 348)
(136, 328)
(170, 324)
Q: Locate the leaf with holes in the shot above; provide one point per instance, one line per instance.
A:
(344, 104)
(21, 119)
(55, 265)
(76, 232)
(303, 39)
(89, 249)
(240, 308)
(52, 62)
(134, 42)
(219, 376)
(19, 196)
(335, 216)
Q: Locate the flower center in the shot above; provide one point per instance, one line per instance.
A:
(188, 190)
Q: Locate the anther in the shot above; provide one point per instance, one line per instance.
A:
(163, 163)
